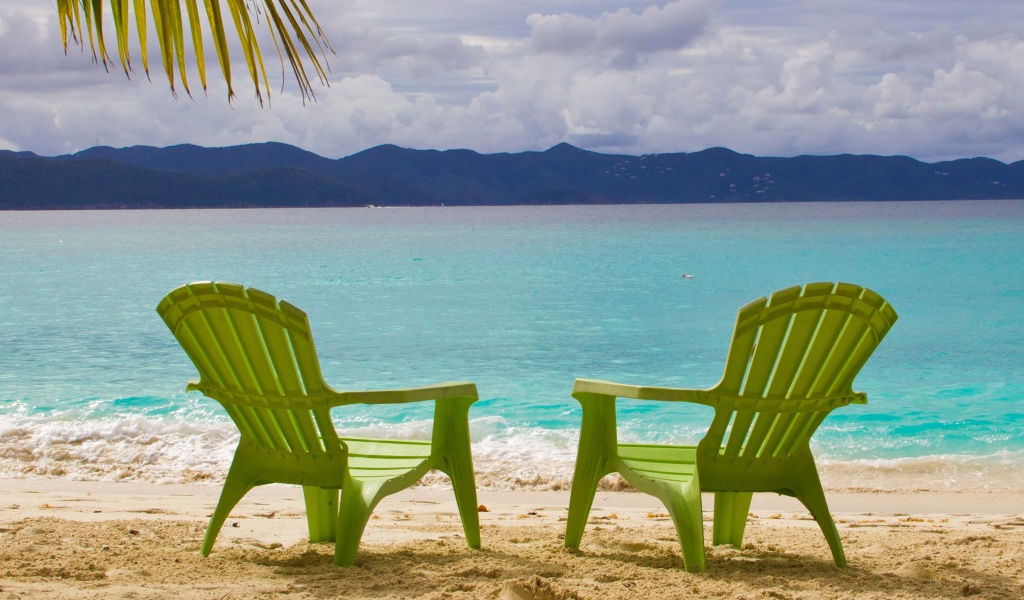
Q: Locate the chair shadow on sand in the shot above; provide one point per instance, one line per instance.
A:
(606, 571)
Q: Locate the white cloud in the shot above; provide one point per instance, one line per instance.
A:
(961, 91)
(805, 81)
(892, 97)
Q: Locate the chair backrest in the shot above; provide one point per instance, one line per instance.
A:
(256, 357)
(792, 360)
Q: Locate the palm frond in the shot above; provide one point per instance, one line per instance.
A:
(291, 23)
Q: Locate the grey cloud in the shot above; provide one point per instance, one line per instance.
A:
(912, 46)
(30, 47)
(656, 29)
(562, 33)
(360, 50)
(627, 34)
(431, 56)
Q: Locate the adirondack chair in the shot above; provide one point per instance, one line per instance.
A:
(792, 360)
(256, 357)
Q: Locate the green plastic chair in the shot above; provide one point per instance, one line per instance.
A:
(792, 360)
(256, 357)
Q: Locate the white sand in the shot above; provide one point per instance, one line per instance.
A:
(62, 539)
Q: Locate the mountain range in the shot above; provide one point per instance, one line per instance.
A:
(278, 175)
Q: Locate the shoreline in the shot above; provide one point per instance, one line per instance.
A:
(86, 493)
(103, 539)
(181, 461)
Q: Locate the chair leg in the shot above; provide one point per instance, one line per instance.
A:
(451, 439)
(358, 498)
(731, 509)
(460, 471)
(813, 497)
(684, 506)
(590, 468)
(321, 513)
(597, 443)
(237, 484)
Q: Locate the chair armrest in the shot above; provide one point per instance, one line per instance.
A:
(440, 391)
(599, 387)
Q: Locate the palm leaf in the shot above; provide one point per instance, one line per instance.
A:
(197, 39)
(250, 48)
(293, 28)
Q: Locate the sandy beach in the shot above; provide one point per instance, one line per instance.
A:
(62, 539)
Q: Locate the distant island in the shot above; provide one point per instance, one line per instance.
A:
(279, 175)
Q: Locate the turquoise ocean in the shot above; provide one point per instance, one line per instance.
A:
(519, 300)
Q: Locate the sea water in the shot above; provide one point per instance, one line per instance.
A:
(519, 300)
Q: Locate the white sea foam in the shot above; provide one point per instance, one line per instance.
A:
(997, 472)
(166, 450)
(124, 448)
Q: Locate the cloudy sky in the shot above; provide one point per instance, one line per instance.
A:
(934, 80)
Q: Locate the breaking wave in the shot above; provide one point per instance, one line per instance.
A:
(172, 450)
